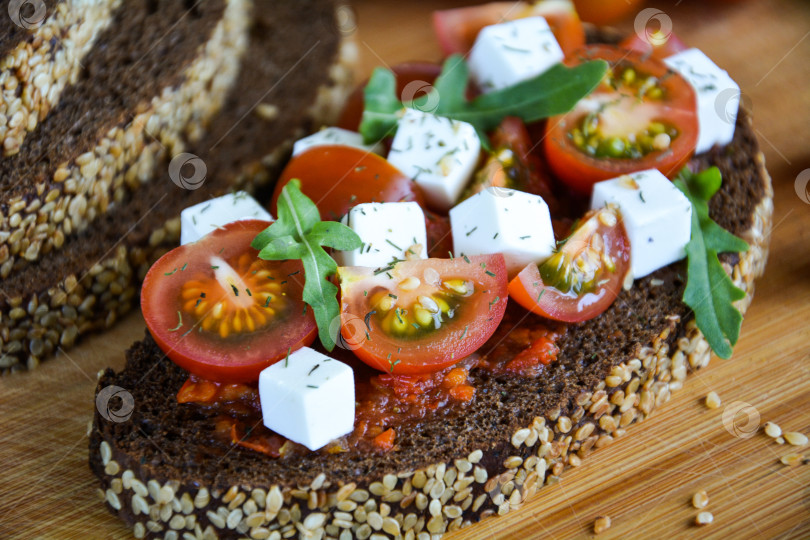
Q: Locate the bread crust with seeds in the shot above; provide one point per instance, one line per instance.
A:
(480, 461)
(39, 58)
(91, 239)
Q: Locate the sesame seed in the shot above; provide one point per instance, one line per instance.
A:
(792, 459)
(704, 518)
(112, 468)
(314, 521)
(389, 481)
(112, 499)
(480, 474)
(795, 438)
(772, 430)
(601, 524)
(700, 499)
(375, 520)
(712, 400)
(215, 519)
(106, 452)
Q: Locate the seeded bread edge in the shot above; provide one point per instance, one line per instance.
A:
(34, 325)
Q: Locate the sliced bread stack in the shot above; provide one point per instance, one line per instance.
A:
(98, 99)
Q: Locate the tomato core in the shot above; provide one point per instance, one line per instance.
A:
(237, 299)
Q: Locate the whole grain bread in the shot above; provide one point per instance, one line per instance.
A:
(88, 278)
(160, 470)
(42, 47)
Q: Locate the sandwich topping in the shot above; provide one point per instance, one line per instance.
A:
(521, 192)
(423, 315)
(221, 312)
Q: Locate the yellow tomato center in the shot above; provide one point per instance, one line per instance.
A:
(240, 297)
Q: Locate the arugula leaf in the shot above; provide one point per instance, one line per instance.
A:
(451, 85)
(299, 233)
(381, 106)
(709, 290)
(553, 92)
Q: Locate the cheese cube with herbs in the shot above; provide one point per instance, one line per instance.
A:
(389, 231)
(500, 220)
(656, 216)
(334, 135)
(511, 52)
(718, 97)
(308, 398)
(438, 153)
(198, 220)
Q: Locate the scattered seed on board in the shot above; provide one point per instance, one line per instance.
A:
(792, 459)
(795, 438)
(704, 518)
(712, 400)
(601, 524)
(772, 430)
(700, 499)
(780, 440)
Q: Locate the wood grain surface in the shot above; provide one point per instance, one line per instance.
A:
(645, 480)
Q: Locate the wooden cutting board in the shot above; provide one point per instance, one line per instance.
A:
(644, 481)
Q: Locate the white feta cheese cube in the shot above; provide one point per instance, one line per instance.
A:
(656, 216)
(438, 153)
(198, 220)
(334, 135)
(308, 398)
(718, 97)
(388, 231)
(500, 220)
(508, 53)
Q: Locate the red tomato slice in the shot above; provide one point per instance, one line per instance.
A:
(456, 29)
(513, 164)
(220, 312)
(670, 45)
(642, 116)
(584, 277)
(602, 12)
(339, 177)
(422, 316)
(406, 73)
(439, 235)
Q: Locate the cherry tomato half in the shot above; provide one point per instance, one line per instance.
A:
(513, 164)
(220, 312)
(456, 29)
(422, 316)
(602, 12)
(667, 46)
(439, 234)
(642, 116)
(338, 177)
(583, 278)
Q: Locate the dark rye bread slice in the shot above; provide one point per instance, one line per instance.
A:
(159, 470)
(73, 165)
(42, 47)
(12, 33)
(130, 65)
(94, 280)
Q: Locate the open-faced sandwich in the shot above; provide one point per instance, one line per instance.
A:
(399, 346)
